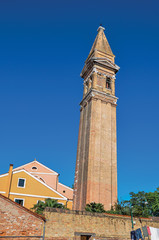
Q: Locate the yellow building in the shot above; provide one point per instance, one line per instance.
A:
(32, 182)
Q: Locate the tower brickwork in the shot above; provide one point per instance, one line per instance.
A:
(96, 163)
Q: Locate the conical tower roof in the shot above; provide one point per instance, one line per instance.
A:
(101, 43)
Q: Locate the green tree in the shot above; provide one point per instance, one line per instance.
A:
(95, 207)
(142, 204)
(121, 208)
(153, 202)
(40, 206)
(139, 204)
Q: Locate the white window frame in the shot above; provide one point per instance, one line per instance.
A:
(20, 199)
(24, 182)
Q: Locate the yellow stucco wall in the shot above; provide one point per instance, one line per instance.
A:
(30, 201)
(33, 191)
(3, 183)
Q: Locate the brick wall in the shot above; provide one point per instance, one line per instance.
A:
(16, 220)
(65, 224)
(70, 225)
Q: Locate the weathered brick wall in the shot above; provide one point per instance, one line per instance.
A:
(18, 221)
(67, 224)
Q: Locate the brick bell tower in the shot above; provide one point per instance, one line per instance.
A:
(96, 163)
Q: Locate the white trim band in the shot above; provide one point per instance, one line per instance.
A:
(37, 196)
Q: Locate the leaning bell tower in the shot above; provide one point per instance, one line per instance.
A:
(96, 163)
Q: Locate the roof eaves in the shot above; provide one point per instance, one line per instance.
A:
(24, 208)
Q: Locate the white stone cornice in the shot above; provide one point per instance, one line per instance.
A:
(105, 94)
(98, 72)
(106, 75)
(94, 70)
(94, 93)
(97, 59)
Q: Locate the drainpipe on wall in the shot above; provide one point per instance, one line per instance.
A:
(9, 180)
(43, 232)
(66, 202)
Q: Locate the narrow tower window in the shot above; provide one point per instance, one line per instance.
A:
(87, 84)
(108, 83)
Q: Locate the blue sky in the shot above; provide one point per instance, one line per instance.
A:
(43, 46)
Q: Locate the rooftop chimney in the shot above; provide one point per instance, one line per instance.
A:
(9, 180)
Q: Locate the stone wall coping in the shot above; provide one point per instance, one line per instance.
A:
(23, 208)
(102, 215)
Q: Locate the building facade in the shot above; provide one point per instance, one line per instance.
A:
(17, 222)
(32, 182)
(96, 163)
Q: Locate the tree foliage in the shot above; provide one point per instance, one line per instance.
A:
(142, 204)
(121, 208)
(40, 206)
(95, 207)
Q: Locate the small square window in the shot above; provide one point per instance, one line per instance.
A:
(21, 182)
(19, 201)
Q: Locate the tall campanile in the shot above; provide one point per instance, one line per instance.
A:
(96, 163)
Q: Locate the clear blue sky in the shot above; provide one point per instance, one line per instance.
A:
(43, 46)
